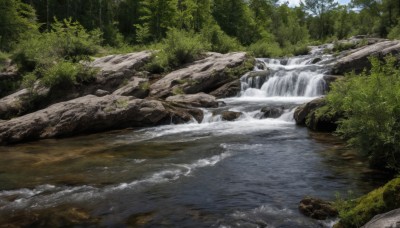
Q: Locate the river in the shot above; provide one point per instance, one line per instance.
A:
(251, 172)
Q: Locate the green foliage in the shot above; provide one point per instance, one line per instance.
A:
(16, 20)
(67, 40)
(3, 59)
(343, 46)
(219, 40)
(355, 213)
(179, 47)
(371, 106)
(65, 74)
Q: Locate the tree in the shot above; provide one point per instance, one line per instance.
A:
(319, 9)
(16, 19)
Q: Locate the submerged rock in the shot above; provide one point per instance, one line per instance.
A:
(272, 112)
(195, 100)
(204, 75)
(230, 115)
(317, 208)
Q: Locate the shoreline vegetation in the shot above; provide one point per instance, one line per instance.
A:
(47, 50)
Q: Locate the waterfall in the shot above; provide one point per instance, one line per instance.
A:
(287, 77)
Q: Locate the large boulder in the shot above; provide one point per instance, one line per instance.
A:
(357, 60)
(116, 72)
(230, 115)
(194, 100)
(137, 87)
(324, 120)
(84, 115)
(272, 112)
(317, 209)
(204, 75)
(230, 89)
(390, 219)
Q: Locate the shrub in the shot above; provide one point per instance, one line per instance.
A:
(66, 74)
(178, 48)
(67, 40)
(264, 48)
(183, 47)
(219, 40)
(370, 103)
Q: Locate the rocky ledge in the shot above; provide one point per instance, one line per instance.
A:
(121, 96)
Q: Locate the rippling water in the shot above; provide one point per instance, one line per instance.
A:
(251, 172)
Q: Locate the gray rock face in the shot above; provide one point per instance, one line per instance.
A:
(115, 69)
(325, 122)
(230, 89)
(83, 115)
(194, 100)
(357, 60)
(390, 219)
(304, 110)
(123, 62)
(204, 75)
(137, 87)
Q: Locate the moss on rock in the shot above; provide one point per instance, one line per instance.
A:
(355, 213)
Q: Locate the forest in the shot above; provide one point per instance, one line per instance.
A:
(264, 26)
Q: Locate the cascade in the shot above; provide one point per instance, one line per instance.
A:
(287, 77)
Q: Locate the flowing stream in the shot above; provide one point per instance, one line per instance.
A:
(251, 172)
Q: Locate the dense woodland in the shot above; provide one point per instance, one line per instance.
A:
(257, 24)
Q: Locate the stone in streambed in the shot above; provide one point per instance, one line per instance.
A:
(230, 115)
(272, 112)
(317, 208)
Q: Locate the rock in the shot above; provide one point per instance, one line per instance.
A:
(316, 60)
(272, 112)
(101, 93)
(304, 110)
(84, 115)
(137, 87)
(230, 89)
(114, 71)
(357, 60)
(122, 62)
(117, 69)
(204, 75)
(194, 100)
(317, 208)
(230, 116)
(390, 219)
(329, 79)
(325, 121)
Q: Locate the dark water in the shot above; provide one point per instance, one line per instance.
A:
(248, 173)
(251, 172)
